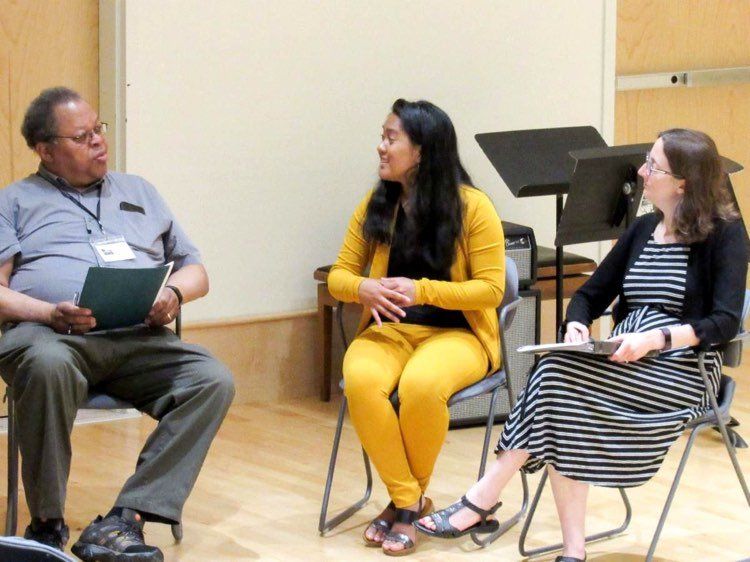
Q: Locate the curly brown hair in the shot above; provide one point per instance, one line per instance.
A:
(693, 156)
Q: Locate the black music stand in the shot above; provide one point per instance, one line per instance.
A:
(537, 162)
(603, 195)
(601, 182)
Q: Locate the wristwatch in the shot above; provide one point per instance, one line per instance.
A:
(667, 338)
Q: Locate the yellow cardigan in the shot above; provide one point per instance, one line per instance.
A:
(477, 275)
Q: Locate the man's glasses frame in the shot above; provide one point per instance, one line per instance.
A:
(85, 138)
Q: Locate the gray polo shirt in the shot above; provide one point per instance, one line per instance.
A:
(49, 235)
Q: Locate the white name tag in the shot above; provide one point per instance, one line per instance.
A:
(113, 249)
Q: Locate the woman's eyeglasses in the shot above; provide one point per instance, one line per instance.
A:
(651, 168)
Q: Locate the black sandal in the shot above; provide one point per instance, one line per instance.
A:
(569, 559)
(380, 524)
(444, 530)
(407, 517)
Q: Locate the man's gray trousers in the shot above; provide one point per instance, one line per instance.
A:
(179, 384)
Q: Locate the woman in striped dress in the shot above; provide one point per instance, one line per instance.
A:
(679, 274)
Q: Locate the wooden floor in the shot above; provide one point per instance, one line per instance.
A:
(258, 497)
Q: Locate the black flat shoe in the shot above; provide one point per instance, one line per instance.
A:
(444, 530)
(569, 559)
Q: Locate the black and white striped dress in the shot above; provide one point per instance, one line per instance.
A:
(608, 423)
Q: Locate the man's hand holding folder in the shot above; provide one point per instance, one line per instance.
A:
(121, 297)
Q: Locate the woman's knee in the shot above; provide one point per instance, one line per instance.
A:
(421, 389)
(359, 383)
(363, 376)
(544, 370)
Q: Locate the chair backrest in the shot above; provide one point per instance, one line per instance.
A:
(506, 311)
(731, 353)
(511, 293)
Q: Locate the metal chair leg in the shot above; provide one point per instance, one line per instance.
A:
(737, 441)
(590, 538)
(488, 433)
(488, 539)
(11, 513)
(721, 425)
(734, 436)
(673, 490)
(324, 524)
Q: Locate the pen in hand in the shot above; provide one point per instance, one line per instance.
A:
(75, 302)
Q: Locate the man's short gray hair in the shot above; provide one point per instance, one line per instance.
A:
(39, 123)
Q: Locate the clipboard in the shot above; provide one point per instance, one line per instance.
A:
(592, 347)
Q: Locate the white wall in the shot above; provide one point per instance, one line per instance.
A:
(258, 120)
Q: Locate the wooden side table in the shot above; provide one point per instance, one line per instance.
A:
(576, 270)
(326, 304)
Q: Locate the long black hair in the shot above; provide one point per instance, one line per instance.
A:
(435, 205)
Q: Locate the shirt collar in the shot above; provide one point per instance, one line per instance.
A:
(61, 182)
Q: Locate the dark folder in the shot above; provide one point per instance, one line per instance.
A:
(119, 298)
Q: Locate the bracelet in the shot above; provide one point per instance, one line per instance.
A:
(667, 338)
(176, 292)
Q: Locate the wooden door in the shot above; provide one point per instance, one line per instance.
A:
(655, 36)
(42, 44)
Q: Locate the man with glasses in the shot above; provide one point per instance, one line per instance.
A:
(50, 225)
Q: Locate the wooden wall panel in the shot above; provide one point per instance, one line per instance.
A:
(42, 44)
(667, 35)
(5, 132)
(722, 112)
(672, 35)
(272, 361)
(49, 43)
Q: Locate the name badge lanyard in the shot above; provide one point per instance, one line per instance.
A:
(86, 209)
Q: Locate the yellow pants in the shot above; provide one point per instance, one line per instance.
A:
(428, 365)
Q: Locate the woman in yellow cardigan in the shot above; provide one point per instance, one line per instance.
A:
(424, 255)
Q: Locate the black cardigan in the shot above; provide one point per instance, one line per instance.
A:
(715, 285)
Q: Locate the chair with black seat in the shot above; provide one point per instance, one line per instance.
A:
(717, 417)
(489, 385)
(94, 401)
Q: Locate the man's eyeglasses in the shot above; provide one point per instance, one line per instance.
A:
(650, 168)
(85, 138)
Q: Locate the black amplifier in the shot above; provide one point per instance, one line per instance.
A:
(520, 246)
